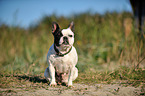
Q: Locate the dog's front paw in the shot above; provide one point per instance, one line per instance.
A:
(70, 86)
(53, 84)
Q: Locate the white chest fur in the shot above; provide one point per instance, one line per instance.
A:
(62, 64)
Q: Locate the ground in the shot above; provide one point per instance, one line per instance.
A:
(78, 89)
(93, 84)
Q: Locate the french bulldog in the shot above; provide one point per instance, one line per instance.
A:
(62, 57)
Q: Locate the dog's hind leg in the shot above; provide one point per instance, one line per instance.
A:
(47, 74)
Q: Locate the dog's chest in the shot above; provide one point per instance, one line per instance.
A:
(62, 64)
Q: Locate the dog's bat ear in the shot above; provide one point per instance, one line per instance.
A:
(71, 26)
(55, 27)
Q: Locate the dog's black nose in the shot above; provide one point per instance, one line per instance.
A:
(65, 40)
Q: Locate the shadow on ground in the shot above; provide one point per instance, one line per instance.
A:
(34, 79)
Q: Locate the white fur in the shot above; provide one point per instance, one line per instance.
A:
(62, 64)
(66, 33)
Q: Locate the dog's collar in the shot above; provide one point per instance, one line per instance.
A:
(60, 54)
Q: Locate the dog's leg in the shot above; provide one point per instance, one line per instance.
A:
(70, 78)
(75, 74)
(52, 75)
(47, 74)
(66, 76)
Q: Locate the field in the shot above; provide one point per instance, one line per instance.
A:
(109, 49)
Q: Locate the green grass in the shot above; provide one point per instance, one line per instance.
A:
(124, 74)
(100, 40)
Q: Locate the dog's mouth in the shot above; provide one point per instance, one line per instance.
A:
(65, 43)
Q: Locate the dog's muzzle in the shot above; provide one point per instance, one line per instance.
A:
(65, 41)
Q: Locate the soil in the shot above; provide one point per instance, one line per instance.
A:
(77, 90)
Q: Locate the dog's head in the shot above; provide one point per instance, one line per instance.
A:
(64, 37)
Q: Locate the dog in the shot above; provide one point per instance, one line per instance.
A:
(62, 57)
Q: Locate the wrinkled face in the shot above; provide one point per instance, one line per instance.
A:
(67, 37)
(63, 37)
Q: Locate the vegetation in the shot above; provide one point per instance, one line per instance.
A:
(101, 40)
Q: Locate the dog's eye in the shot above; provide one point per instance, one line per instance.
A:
(70, 35)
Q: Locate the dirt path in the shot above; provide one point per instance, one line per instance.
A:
(78, 90)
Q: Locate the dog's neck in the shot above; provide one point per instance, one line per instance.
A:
(62, 50)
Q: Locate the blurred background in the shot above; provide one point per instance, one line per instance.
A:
(24, 13)
(105, 36)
